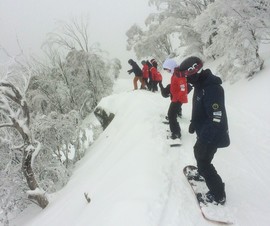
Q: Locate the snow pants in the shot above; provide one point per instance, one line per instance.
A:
(172, 116)
(204, 155)
(154, 86)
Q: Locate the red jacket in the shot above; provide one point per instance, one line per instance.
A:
(145, 71)
(156, 76)
(178, 89)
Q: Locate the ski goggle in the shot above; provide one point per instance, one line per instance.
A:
(194, 69)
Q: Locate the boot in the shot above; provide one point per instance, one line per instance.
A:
(216, 198)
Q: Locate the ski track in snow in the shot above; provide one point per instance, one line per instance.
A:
(178, 193)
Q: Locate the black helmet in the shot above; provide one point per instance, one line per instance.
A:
(191, 66)
(153, 61)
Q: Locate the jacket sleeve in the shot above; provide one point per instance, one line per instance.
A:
(130, 71)
(213, 102)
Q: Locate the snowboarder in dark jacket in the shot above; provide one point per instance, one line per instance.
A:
(209, 121)
(138, 74)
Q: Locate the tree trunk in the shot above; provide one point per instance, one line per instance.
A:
(31, 181)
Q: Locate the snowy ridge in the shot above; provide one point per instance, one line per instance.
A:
(134, 179)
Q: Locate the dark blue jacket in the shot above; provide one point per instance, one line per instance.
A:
(135, 69)
(209, 116)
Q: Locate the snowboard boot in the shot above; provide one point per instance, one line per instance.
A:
(216, 199)
(175, 136)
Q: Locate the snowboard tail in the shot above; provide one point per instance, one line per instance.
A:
(174, 142)
(210, 211)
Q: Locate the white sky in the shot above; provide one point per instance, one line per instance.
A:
(31, 20)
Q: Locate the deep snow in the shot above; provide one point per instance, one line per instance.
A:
(134, 178)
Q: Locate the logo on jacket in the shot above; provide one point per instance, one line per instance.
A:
(215, 106)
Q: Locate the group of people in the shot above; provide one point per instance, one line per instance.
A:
(208, 118)
(148, 75)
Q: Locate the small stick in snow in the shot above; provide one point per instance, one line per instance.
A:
(87, 198)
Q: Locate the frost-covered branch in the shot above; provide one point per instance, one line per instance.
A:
(13, 101)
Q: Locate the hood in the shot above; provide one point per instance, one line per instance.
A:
(207, 78)
(170, 64)
(131, 62)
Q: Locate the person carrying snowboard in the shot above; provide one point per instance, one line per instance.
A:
(178, 92)
(209, 121)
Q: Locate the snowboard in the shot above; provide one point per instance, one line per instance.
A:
(173, 142)
(211, 211)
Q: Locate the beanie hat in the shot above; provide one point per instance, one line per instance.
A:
(169, 64)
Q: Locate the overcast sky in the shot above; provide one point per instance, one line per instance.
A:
(31, 20)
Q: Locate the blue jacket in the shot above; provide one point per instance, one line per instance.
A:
(209, 117)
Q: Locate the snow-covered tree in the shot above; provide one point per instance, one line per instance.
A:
(230, 31)
(55, 96)
(116, 67)
(18, 146)
(77, 75)
(58, 134)
(12, 183)
(72, 35)
(15, 119)
(155, 42)
(233, 30)
(168, 30)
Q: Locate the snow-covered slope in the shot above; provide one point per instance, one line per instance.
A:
(134, 179)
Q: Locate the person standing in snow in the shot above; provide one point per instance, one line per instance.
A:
(156, 76)
(150, 81)
(178, 92)
(209, 121)
(145, 71)
(138, 74)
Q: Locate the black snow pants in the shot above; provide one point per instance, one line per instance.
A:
(172, 116)
(204, 155)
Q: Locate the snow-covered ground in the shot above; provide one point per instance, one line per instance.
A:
(134, 178)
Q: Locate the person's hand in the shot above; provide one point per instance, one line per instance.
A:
(191, 128)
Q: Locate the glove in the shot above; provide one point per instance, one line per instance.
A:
(129, 71)
(191, 128)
